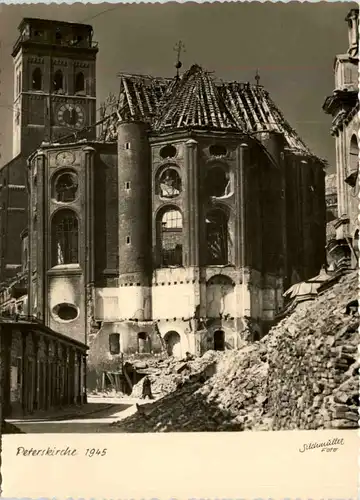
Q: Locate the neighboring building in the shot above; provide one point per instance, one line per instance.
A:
(343, 105)
(331, 206)
(41, 370)
(192, 211)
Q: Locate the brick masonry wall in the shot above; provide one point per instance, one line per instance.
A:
(302, 375)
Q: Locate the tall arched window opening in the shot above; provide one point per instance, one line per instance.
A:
(79, 82)
(37, 79)
(65, 238)
(217, 237)
(58, 81)
(354, 154)
(170, 229)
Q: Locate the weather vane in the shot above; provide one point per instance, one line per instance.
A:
(257, 77)
(179, 47)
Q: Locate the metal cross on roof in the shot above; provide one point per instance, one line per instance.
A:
(179, 47)
(257, 77)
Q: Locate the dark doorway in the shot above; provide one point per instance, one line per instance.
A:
(219, 340)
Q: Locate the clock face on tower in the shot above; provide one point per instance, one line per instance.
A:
(71, 115)
(65, 158)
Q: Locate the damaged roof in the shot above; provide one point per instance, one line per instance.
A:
(197, 100)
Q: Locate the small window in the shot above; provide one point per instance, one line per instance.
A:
(128, 240)
(168, 152)
(58, 35)
(127, 185)
(144, 344)
(66, 187)
(169, 183)
(127, 145)
(114, 343)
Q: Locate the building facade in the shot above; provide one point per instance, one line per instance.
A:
(343, 105)
(41, 370)
(178, 225)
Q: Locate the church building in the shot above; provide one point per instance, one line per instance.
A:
(174, 223)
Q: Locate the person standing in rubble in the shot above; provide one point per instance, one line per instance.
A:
(146, 390)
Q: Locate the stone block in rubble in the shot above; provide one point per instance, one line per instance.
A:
(343, 424)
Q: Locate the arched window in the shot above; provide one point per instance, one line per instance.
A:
(217, 237)
(143, 343)
(173, 344)
(169, 184)
(65, 187)
(58, 81)
(354, 154)
(65, 238)
(217, 182)
(79, 82)
(170, 232)
(37, 79)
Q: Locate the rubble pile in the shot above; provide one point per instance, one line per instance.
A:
(302, 375)
(313, 368)
(166, 374)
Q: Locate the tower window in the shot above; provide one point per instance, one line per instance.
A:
(170, 233)
(37, 79)
(58, 81)
(65, 238)
(127, 185)
(127, 145)
(128, 240)
(65, 187)
(217, 237)
(58, 36)
(79, 82)
(114, 343)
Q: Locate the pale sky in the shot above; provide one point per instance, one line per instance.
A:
(292, 44)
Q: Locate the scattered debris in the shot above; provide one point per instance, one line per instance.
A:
(302, 375)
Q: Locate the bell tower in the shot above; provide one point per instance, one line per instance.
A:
(54, 82)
